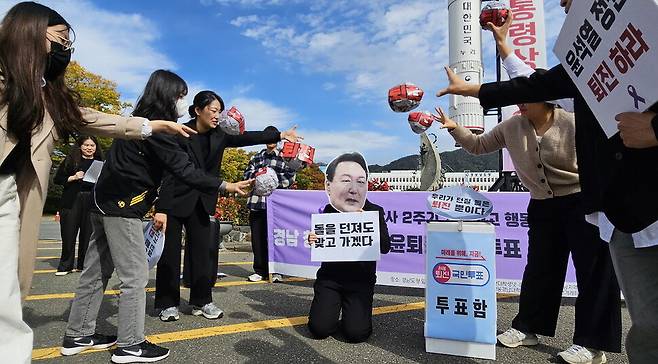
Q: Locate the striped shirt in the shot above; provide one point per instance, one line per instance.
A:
(264, 159)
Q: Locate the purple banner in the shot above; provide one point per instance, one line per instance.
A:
(289, 220)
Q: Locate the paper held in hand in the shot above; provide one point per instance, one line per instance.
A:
(154, 242)
(609, 49)
(345, 237)
(93, 172)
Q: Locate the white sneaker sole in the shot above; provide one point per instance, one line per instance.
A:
(524, 342)
(600, 360)
(170, 318)
(60, 274)
(78, 349)
(196, 312)
(136, 359)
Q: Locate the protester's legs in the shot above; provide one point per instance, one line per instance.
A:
(637, 272)
(93, 280)
(543, 277)
(167, 277)
(357, 312)
(325, 309)
(15, 334)
(85, 227)
(69, 223)
(258, 224)
(125, 238)
(197, 228)
(598, 306)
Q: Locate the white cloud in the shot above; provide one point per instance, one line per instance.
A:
(330, 143)
(260, 113)
(117, 46)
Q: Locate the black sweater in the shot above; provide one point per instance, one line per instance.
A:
(133, 171)
(71, 189)
(357, 272)
(614, 179)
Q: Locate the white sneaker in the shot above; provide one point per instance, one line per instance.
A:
(276, 278)
(209, 311)
(255, 277)
(577, 354)
(62, 273)
(169, 314)
(513, 338)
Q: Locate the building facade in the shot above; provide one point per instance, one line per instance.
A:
(409, 180)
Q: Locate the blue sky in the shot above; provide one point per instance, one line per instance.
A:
(324, 65)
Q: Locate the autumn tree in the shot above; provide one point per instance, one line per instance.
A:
(310, 178)
(234, 163)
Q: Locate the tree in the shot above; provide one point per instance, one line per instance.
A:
(234, 163)
(95, 92)
(310, 178)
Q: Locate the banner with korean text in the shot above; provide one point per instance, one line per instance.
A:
(527, 38)
(289, 221)
(608, 48)
(460, 308)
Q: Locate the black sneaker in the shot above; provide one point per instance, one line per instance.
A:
(145, 352)
(76, 345)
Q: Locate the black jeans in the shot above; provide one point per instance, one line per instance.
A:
(258, 224)
(74, 220)
(353, 299)
(199, 248)
(557, 228)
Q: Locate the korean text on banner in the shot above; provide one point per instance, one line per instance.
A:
(460, 297)
(609, 50)
(154, 241)
(345, 237)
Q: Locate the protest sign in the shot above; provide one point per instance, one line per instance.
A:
(608, 48)
(345, 237)
(154, 242)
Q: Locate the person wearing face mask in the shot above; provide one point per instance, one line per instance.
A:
(124, 193)
(189, 207)
(76, 201)
(36, 110)
(346, 289)
(268, 157)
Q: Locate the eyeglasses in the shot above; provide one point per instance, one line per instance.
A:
(67, 43)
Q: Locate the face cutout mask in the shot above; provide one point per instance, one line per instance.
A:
(58, 59)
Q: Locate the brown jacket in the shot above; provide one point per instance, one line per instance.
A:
(548, 169)
(33, 182)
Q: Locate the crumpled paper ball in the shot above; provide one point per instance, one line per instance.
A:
(266, 182)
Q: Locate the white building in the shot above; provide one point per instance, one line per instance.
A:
(410, 179)
(399, 180)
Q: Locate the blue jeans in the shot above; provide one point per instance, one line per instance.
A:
(637, 273)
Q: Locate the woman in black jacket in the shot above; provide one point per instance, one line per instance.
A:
(346, 287)
(76, 201)
(186, 206)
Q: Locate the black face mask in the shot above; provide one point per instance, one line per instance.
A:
(58, 59)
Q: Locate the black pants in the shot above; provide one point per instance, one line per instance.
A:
(557, 228)
(72, 221)
(354, 300)
(258, 224)
(198, 243)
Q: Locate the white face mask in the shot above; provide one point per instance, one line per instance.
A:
(181, 107)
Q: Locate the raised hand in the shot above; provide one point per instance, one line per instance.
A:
(291, 135)
(446, 122)
(239, 187)
(457, 86)
(170, 127)
(635, 129)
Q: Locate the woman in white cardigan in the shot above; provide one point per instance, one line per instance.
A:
(36, 110)
(540, 140)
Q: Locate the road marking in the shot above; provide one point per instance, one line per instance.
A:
(114, 292)
(43, 271)
(53, 352)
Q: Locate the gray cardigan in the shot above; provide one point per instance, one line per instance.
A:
(548, 169)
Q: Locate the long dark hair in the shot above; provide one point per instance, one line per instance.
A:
(23, 59)
(203, 99)
(75, 155)
(158, 102)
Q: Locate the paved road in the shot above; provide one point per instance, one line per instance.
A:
(265, 322)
